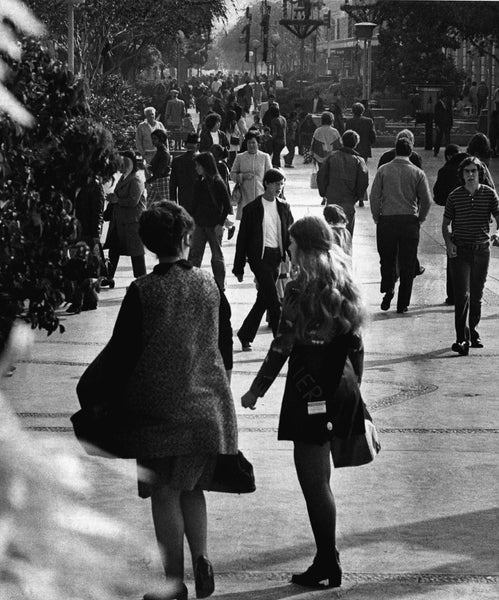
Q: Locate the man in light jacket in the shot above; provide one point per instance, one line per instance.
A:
(343, 177)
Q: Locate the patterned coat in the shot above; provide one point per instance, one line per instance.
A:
(178, 398)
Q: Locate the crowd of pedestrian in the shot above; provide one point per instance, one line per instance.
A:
(177, 318)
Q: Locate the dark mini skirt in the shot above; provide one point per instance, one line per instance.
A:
(186, 473)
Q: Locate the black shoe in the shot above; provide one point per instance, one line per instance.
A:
(203, 575)
(89, 307)
(289, 166)
(317, 573)
(361, 204)
(73, 309)
(420, 271)
(449, 302)
(476, 343)
(402, 309)
(387, 300)
(462, 348)
(230, 232)
(107, 283)
(180, 594)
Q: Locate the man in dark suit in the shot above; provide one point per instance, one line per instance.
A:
(263, 240)
(183, 174)
(364, 126)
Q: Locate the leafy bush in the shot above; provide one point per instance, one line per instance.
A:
(119, 107)
(42, 169)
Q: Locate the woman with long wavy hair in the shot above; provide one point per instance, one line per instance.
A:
(319, 331)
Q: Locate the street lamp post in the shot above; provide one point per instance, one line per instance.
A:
(275, 40)
(180, 37)
(71, 32)
(364, 32)
(255, 44)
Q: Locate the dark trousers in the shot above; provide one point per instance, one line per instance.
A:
(266, 272)
(277, 148)
(449, 286)
(397, 238)
(469, 273)
(441, 134)
(212, 235)
(288, 159)
(138, 264)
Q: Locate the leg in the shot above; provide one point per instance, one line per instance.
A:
(438, 140)
(387, 250)
(266, 274)
(193, 505)
(168, 522)
(478, 276)
(139, 265)
(461, 272)
(214, 236)
(448, 283)
(313, 467)
(407, 256)
(198, 244)
(114, 259)
(288, 159)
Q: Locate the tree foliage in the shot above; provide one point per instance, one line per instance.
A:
(412, 36)
(109, 32)
(43, 167)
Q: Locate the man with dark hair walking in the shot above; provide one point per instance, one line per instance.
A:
(400, 201)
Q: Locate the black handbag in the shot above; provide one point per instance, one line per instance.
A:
(233, 474)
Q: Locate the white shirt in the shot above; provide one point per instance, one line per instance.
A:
(271, 225)
(215, 137)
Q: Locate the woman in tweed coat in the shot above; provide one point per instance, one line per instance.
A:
(178, 398)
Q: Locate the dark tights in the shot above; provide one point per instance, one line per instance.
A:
(313, 467)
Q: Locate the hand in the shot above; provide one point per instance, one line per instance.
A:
(249, 400)
(495, 239)
(451, 250)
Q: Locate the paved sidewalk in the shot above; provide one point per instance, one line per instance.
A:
(420, 522)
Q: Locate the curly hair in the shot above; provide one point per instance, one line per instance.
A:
(329, 301)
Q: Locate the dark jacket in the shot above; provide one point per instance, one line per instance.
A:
(278, 127)
(443, 115)
(89, 206)
(160, 163)
(211, 202)
(448, 179)
(183, 176)
(364, 126)
(389, 155)
(206, 141)
(123, 233)
(249, 245)
(343, 178)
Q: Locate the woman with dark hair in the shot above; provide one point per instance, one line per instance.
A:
(479, 146)
(178, 400)
(127, 202)
(234, 135)
(248, 170)
(211, 133)
(319, 331)
(159, 182)
(278, 127)
(210, 208)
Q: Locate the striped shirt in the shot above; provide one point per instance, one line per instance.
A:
(470, 214)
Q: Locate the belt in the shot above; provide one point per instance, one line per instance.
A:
(474, 247)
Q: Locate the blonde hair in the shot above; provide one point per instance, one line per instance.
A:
(329, 302)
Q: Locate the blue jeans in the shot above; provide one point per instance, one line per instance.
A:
(212, 235)
(469, 273)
